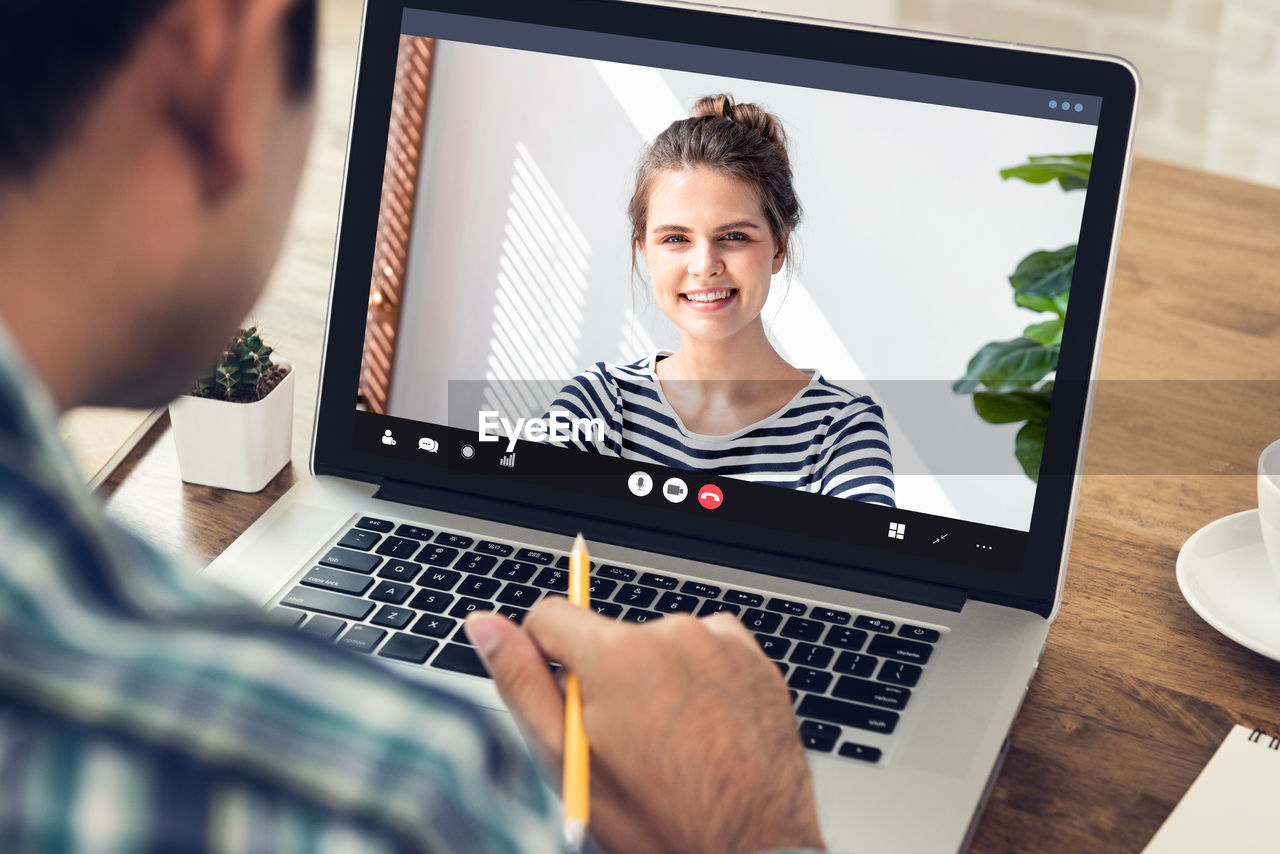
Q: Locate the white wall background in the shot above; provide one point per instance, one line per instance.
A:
(520, 263)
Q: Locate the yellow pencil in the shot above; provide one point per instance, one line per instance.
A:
(576, 786)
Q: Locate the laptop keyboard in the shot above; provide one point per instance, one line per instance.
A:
(402, 592)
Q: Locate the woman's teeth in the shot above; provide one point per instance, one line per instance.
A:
(710, 296)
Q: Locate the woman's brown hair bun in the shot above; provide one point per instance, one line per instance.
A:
(749, 115)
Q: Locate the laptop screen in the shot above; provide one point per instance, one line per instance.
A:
(716, 289)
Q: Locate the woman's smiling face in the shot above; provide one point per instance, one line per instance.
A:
(710, 252)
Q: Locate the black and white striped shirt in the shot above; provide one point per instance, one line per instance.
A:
(827, 439)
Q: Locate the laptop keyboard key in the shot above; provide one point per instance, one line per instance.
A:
(640, 615)
(675, 603)
(482, 588)
(741, 597)
(617, 573)
(488, 547)
(382, 526)
(456, 541)
(361, 540)
(391, 591)
(829, 616)
(786, 606)
(413, 532)
(653, 579)
(431, 600)
(477, 564)
(434, 626)
(562, 562)
(440, 579)
(512, 613)
(602, 588)
(900, 648)
(553, 579)
(515, 570)
(398, 547)
(812, 656)
(328, 602)
(808, 679)
(467, 605)
(839, 636)
(802, 629)
(635, 595)
(323, 627)
(819, 737)
(460, 659)
(287, 617)
(875, 624)
(871, 693)
(697, 588)
(336, 579)
(847, 714)
(900, 673)
(773, 647)
(362, 638)
(393, 617)
(519, 594)
(354, 561)
(608, 609)
(437, 555)
(856, 664)
(849, 750)
(760, 621)
(535, 556)
(716, 607)
(405, 647)
(400, 570)
(919, 633)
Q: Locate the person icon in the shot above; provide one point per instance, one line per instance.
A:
(387, 438)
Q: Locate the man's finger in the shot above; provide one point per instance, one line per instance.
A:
(519, 669)
(567, 633)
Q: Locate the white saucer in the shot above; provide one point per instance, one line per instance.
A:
(1225, 577)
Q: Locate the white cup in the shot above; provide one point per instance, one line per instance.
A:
(1269, 502)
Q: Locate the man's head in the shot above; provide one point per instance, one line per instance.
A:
(149, 155)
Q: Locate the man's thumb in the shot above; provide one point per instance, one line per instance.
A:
(520, 672)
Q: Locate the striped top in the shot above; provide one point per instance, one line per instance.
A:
(826, 439)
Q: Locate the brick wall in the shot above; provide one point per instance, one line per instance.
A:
(1210, 68)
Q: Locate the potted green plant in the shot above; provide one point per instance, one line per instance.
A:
(234, 428)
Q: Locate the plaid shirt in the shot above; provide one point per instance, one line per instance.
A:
(142, 709)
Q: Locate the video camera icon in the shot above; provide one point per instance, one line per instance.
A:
(675, 490)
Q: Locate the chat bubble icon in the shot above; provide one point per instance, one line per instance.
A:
(426, 443)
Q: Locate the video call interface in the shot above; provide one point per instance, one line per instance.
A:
(866, 314)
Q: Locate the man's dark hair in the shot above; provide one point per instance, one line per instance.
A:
(55, 54)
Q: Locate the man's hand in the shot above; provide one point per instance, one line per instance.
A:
(693, 743)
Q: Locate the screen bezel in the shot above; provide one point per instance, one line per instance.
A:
(1036, 586)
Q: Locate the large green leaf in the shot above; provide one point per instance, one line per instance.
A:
(1057, 303)
(1048, 333)
(1013, 406)
(1045, 273)
(1028, 447)
(1005, 366)
(1071, 171)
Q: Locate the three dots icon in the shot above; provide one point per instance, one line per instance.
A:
(1065, 106)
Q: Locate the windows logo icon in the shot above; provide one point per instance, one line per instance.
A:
(897, 530)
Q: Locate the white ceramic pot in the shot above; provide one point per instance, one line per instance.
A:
(238, 446)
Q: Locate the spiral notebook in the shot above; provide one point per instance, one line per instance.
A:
(1231, 805)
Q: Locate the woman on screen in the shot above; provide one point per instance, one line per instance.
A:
(712, 215)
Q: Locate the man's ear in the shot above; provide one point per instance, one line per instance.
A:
(226, 70)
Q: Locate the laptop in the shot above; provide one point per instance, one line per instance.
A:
(493, 372)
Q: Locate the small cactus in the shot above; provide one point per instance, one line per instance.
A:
(243, 373)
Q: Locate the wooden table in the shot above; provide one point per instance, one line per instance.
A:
(1135, 691)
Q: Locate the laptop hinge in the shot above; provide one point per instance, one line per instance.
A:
(677, 545)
